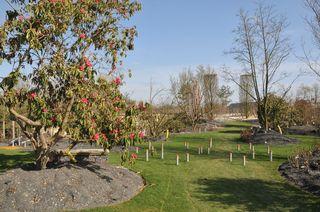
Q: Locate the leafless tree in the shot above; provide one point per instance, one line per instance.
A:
(209, 85)
(314, 24)
(261, 46)
(186, 92)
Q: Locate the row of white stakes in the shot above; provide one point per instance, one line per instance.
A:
(200, 151)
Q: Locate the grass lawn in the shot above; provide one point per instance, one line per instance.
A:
(209, 182)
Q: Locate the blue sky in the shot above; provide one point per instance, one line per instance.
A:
(177, 34)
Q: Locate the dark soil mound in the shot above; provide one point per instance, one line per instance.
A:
(69, 187)
(303, 170)
(303, 130)
(259, 136)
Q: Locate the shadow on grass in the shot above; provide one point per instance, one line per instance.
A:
(255, 195)
(230, 131)
(8, 161)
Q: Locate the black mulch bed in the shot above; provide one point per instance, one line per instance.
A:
(70, 186)
(270, 137)
(304, 175)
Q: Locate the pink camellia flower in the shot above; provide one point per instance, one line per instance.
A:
(20, 17)
(96, 137)
(131, 136)
(53, 119)
(81, 68)
(33, 95)
(117, 81)
(104, 137)
(85, 100)
(82, 36)
(88, 63)
(44, 110)
(141, 134)
(134, 156)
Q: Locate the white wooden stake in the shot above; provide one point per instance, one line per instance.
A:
(253, 148)
(230, 156)
(253, 155)
(244, 160)
(185, 144)
(268, 150)
(210, 144)
(162, 151)
(208, 150)
(271, 159)
(199, 151)
(188, 156)
(250, 146)
(147, 155)
(238, 147)
(177, 160)
(149, 145)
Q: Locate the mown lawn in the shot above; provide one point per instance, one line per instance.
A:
(211, 182)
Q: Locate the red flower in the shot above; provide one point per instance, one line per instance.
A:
(141, 134)
(82, 36)
(131, 136)
(82, 10)
(20, 17)
(53, 119)
(117, 81)
(33, 95)
(81, 68)
(96, 137)
(85, 100)
(44, 110)
(88, 63)
(104, 137)
(134, 156)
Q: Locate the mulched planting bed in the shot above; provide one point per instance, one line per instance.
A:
(258, 136)
(85, 185)
(304, 171)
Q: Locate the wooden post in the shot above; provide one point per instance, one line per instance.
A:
(4, 127)
(13, 130)
(250, 146)
(244, 160)
(199, 151)
(210, 144)
(253, 148)
(147, 155)
(177, 160)
(268, 149)
(230, 156)
(185, 144)
(188, 156)
(149, 145)
(137, 150)
(208, 150)
(253, 155)
(238, 147)
(167, 135)
(162, 153)
(271, 159)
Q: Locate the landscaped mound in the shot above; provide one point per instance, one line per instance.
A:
(71, 186)
(303, 170)
(258, 136)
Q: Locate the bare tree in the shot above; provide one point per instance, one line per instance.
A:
(187, 95)
(245, 94)
(209, 84)
(261, 47)
(314, 24)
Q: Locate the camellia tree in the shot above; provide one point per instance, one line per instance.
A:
(68, 52)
